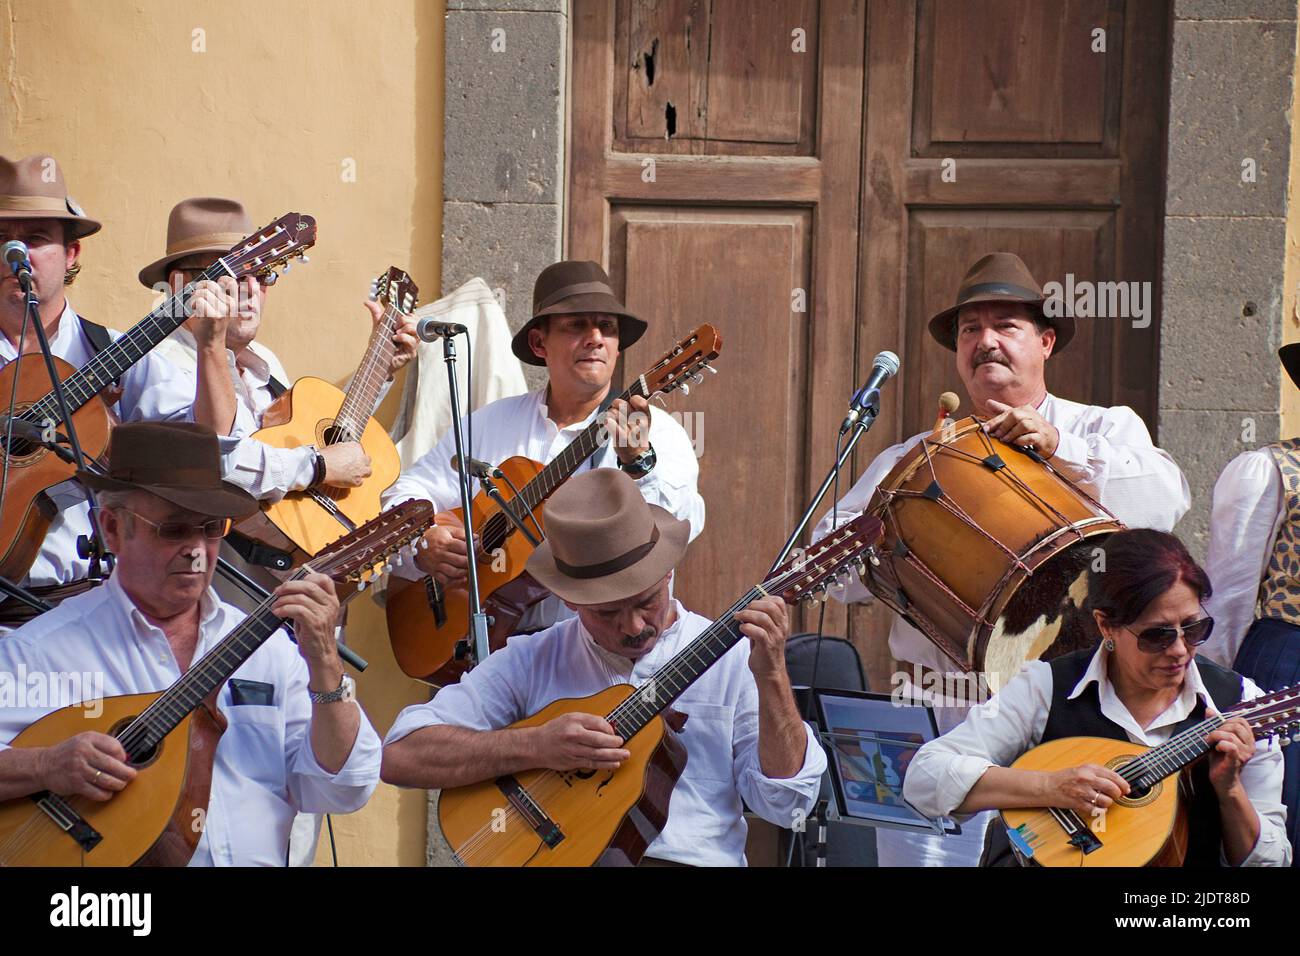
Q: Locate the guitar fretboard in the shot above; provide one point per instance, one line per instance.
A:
(363, 392)
(110, 364)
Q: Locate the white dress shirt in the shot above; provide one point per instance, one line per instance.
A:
(1246, 514)
(705, 823)
(998, 732)
(152, 390)
(1106, 451)
(520, 425)
(264, 768)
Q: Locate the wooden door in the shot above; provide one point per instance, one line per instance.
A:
(705, 173)
(727, 154)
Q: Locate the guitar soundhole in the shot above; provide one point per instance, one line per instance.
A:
(333, 435)
(1138, 796)
(146, 758)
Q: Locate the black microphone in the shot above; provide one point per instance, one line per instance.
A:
(34, 434)
(430, 330)
(16, 258)
(884, 367)
(479, 469)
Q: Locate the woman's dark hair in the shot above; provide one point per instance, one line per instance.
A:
(1140, 565)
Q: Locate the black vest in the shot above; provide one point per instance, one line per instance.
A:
(1082, 717)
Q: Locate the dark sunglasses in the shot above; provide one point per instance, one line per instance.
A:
(180, 531)
(1157, 640)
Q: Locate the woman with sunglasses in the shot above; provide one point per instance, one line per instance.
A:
(1143, 683)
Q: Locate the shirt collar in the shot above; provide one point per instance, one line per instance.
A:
(668, 639)
(545, 412)
(1193, 687)
(209, 608)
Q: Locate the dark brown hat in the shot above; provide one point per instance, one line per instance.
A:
(195, 226)
(179, 462)
(575, 287)
(33, 188)
(999, 277)
(604, 542)
(1290, 356)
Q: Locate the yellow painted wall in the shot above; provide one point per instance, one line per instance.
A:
(147, 102)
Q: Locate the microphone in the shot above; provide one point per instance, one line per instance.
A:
(477, 468)
(16, 257)
(884, 367)
(430, 330)
(34, 434)
(948, 403)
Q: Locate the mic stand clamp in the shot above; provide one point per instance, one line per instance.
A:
(494, 493)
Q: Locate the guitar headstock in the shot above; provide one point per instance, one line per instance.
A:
(810, 574)
(272, 247)
(684, 364)
(396, 289)
(1273, 715)
(366, 553)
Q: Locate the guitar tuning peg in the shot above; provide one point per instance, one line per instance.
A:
(710, 368)
(361, 582)
(686, 388)
(303, 257)
(270, 279)
(288, 265)
(397, 557)
(424, 543)
(697, 378)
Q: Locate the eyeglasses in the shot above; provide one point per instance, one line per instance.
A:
(180, 531)
(1157, 640)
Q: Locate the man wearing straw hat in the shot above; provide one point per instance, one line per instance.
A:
(199, 230)
(295, 738)
(609, 555)
(1002, 337)
(35, 208)
(578, 330)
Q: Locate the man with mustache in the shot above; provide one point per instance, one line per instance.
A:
(609, 555)
(578, 330)
(1002, 338)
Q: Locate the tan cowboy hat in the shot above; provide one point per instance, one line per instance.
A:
(178, 461)
(604, 542)
(999, 277)
(205, 224)
(574, 287)
(33, 188)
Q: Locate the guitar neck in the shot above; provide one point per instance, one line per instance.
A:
(110, 364)
(560, 468)
(354, 414)
(686, 667)
(204, 676)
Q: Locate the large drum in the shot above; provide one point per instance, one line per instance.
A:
(986, 550)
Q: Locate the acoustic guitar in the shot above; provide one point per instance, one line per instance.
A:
(314, 412)
(582, 817)
(170, 737)
(28, 469)
(427, 621)
(1149, 826)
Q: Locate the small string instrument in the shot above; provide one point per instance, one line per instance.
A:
(171, 737)
(1148, 827)
(582, 817)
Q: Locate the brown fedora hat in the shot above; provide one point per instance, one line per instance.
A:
(178, 461)
(33, 188)
(204, 224)
(999, 277)
(574, 287)
(604, 542)
(1290, 356)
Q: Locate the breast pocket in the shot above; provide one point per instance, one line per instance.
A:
(253, 745)
(707, 736)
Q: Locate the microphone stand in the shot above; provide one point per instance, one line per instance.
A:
(477, 617)
(871, 408)
(494, 493)
(89, 546)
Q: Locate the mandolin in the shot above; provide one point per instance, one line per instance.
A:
(1149, 826)
(581, 818)
(314, 412)
(25, 510)
(171, 736)
(427, 621)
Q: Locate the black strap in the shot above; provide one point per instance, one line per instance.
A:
(96, 334)
(275, 386)
(254, 552)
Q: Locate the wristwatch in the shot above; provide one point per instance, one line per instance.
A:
(346, 690)
(641, 465)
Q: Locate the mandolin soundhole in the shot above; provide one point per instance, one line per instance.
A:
(145, 759)
(1138, 796)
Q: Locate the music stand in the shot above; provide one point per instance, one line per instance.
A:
(869, 739)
